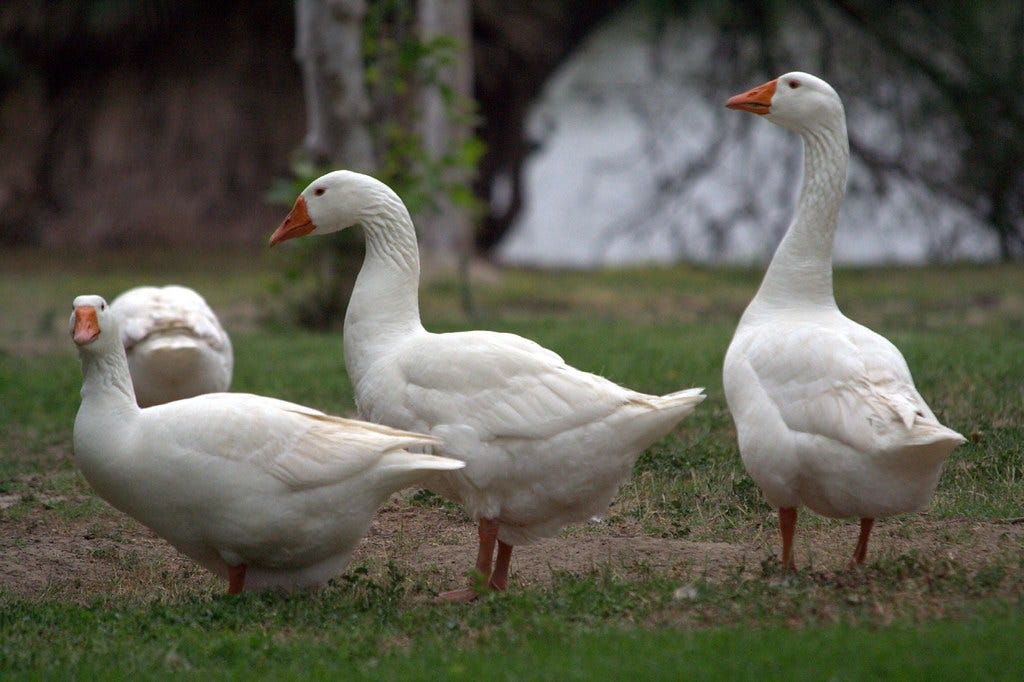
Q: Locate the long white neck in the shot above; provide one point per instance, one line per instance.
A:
(103, 444)
(384, 306)
(800, 274)
(107, 383)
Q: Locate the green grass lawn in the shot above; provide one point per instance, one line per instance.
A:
(559, 635)
(914, 613)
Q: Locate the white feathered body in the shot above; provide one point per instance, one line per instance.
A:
(827, 416)
(175, 344)
(545, 444)
(231, 478)
(826, 411)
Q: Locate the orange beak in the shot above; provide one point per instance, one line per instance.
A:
(756, 101)
(296, 224)
(87, 328)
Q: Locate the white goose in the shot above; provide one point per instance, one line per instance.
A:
(545, 444)
(263, 492)
(826, 411)
(176, 346)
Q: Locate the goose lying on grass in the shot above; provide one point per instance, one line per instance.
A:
(176, 346)
(260, 491)
(545, 444)
(826, 410)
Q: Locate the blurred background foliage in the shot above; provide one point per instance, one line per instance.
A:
(145, 122)
(398, 65)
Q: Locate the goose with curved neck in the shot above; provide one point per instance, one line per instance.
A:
(801, 270)
(545, 444)
(826, 410)
(261, 491)
(391, 274)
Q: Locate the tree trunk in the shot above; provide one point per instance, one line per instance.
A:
(329, 46)
(446, 230)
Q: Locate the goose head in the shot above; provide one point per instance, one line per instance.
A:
(796, 101)
(331, 203)
(92, 325)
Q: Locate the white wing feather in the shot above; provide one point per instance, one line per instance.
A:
(503, 386)
(843, 382)
(301, 447)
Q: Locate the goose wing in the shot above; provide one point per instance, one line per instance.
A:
(502, 386)
(844, 383)
(301, 447)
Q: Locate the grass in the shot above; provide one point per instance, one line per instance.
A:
(589, 628)
(912, 613)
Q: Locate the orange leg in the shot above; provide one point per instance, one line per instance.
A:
(787, 524)
(236, 578)
(861, 552)
(499, 579)
(488, 533)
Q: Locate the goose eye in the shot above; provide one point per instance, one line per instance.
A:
(793, 85)
(103, 306)
(319, 191)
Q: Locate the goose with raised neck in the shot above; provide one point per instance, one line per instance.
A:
(263, 492)
(826, 411)
(391, 274)
(800, 273)
(545, 444)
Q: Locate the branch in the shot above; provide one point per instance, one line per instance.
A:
(961, 96)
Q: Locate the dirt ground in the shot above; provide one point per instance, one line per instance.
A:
(43, 556)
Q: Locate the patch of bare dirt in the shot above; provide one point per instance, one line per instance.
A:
(431, 542)
(45, 557)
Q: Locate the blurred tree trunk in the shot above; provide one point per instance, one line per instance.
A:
(446, 229)
(329, 47)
